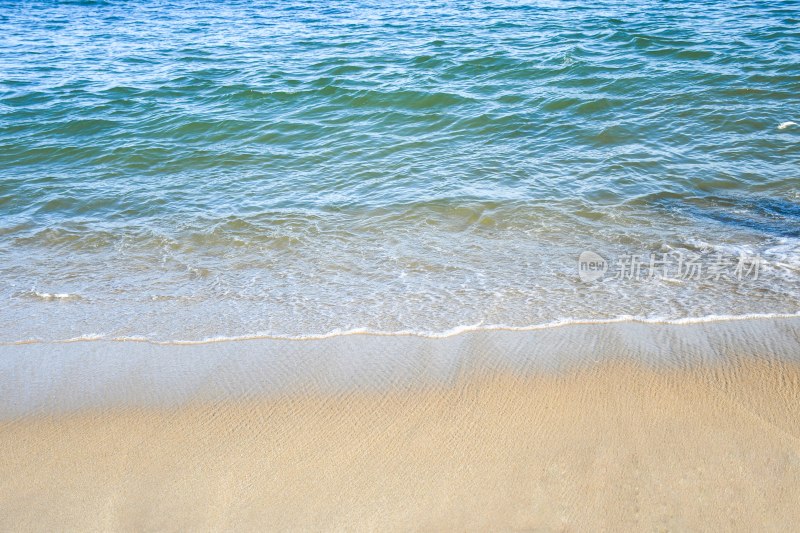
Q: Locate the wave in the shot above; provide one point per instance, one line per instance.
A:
(452, 332)
(48, 296)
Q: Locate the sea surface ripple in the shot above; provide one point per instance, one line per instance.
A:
(192, 170)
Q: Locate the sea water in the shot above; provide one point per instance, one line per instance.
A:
(182, 171)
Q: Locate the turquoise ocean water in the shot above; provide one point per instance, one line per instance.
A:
(177, 170)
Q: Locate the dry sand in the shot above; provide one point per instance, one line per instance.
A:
(608, 446)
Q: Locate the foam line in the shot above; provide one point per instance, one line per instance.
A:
(457, 330)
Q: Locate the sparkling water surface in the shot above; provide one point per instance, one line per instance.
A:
(183, 170)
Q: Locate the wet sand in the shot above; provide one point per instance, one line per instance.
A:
(613, 444)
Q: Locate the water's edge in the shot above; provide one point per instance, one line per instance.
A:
(58, 378)
(457, 330)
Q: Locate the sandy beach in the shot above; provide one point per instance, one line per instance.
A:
(607, 445)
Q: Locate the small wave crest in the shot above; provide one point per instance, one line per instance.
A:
(51, 296)
(452, 332)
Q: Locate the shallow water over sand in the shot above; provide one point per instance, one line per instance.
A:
(178, 171)
(48, 378)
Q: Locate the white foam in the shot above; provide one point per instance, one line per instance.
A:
(454, 331)
(55, 296)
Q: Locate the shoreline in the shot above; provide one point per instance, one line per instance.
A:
(454, 331)
(99, 374)
(636, 426)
